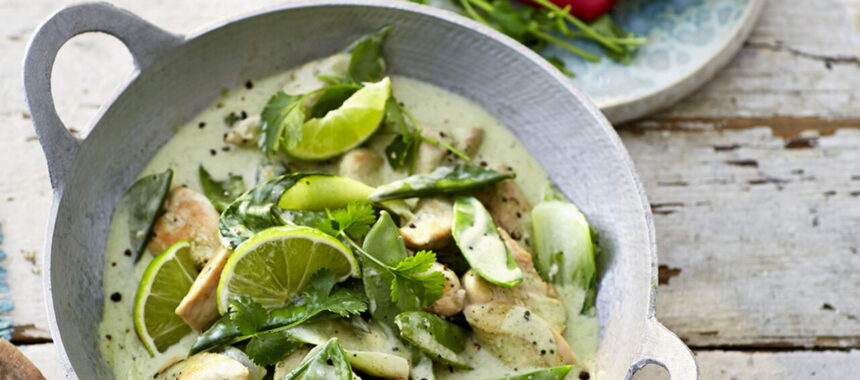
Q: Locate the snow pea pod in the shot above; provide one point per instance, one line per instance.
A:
(445, 180)
(385, 242)
(327, 361)
(441, 340)
(478, 239)
(553, 373)
(145, 202)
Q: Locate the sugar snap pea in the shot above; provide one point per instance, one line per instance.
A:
(552, 373)
(327, 361)
(445, 180)
(479, 241)
(441, 340)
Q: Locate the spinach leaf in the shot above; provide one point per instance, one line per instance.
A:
(255, 210)
(268, 349)
(327, 361)
(553, 373)
(221, 193)
(366, 63)
(145, 202)
(281, 119)
(441, 340)
(443, 181)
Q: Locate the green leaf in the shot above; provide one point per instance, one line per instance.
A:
(145, 202)
(327, 361)
(221, 193)
(403, 149)
(444, 181)
(255, 210)
(281, 120)
(604, 26)
(268, 349)
(248, 316)
(354, 220)
(559, 64)
(231, 119)
(553, 373)
(441, 340)
(385, 243)
(413, 285)
(366, 63)
(219, 334)
(509, 20)
(331, 98)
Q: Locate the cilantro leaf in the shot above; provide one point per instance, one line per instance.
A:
(268, 349)
(281, 120)
(354, 220)
(401, 152)
(412, 284)
(248, 316)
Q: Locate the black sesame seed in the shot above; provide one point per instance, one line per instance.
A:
(243, 115)
(108, 337)
(584, 375)
(329, 362)
(527, 315)
(543, 352)
(249, 85)
(116, 297)
(225, 148)
(201, 124)
(127, 252)
(212, 152)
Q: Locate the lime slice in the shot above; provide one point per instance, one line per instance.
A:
(275, 265)
(320, 192)
(344, 128)
(165, 282)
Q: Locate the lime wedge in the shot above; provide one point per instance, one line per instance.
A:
(320, 192)
(165, 282)
(275, 265)
(343, 128)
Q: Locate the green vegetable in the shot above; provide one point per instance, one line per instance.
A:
(268, 349)
(332, 98)
(385, 241)
(444, 181)
(410, 285)
(354, 220)
(441, 340)
(327, 361)
(565, 253)
(221, 193)
(403, 149)
(256, 210)
(479, 241)
(247, 319)
(145, 201)
(553, 373)
(231, 119)
(366, 63)
(281, 119)
(323, 191)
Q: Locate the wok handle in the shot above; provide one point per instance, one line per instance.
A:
(145, 41)
(664, 348)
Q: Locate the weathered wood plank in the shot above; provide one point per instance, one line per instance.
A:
(45, 357)
(801, 60)
(757, 234)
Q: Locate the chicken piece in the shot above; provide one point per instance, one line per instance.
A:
(517, 336)
(208, 366)
(522, 325)
(245, 132)
(362, 165)
(471, 143)
(430, 156)
(199, 308)
(453, 296)
(430, 228)
(508, 205)
(533, 293)
(188, 216)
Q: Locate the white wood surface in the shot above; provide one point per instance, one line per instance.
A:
(760, 242)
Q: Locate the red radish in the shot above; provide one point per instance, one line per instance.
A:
(584, 9)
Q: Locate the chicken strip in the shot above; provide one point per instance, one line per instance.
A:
(430, 156)
(430, 228)
(362, 165)
(453, 296)
(188, 216)
(508, 205)
(245, 132)
(199, 308)
(208, 366)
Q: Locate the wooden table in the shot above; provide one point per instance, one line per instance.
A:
(754, 182)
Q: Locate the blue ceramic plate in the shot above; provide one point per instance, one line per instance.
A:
(688, 42)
